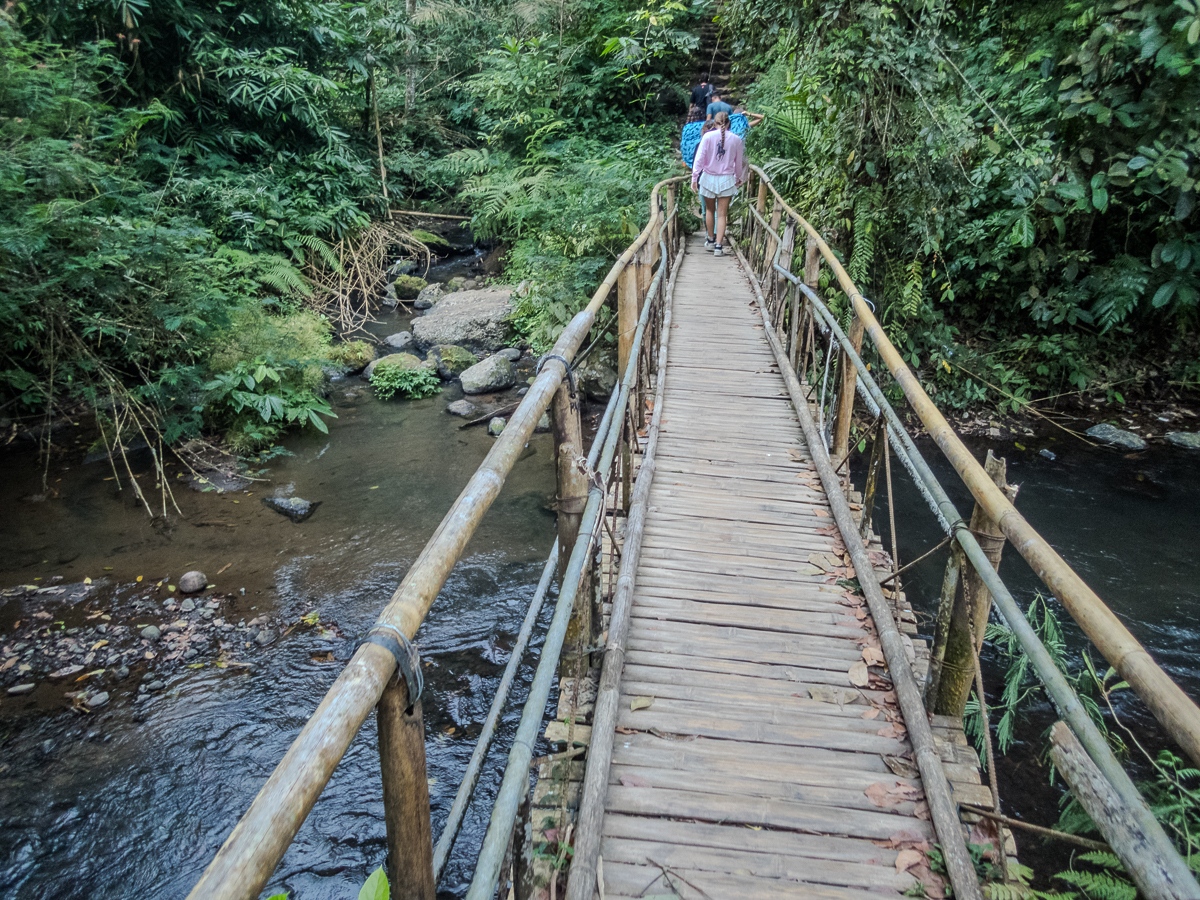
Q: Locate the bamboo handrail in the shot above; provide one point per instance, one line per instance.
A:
(253, 849)
(1177, 713)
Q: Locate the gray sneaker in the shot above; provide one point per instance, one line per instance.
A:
(709, 243)
(718, 250)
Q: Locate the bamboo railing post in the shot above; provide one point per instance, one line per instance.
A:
(812, 263)
(785, 257)
(1157, 878)
(848, 376)
(627, 313)
(761, 203)
(950, 578)
(972, 604)
(872, 484)
(572, 483)
(405, 794)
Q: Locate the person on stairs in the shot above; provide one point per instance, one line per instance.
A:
(717, 172)
(701, 94)
(717, 105)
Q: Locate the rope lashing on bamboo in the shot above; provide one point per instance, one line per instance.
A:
(566, 364)
(408, 660)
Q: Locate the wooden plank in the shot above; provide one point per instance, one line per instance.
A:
(751, 731)
(788, 867)
(784, 843)
(809, 716)
(796, 672)
(764, 812)
(836, 651)
(767, 688)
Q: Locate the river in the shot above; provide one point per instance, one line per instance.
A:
(135, 797)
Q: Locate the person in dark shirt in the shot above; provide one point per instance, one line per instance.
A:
(718, 106)
(701, 93)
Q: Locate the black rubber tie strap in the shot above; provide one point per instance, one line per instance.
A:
(408, 661)
(566, 365)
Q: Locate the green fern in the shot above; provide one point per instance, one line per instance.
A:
(1099, 885)
(914, 288)
(863, 253)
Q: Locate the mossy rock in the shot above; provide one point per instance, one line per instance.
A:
(354, 355)
(429, 239)
(399, 361)
(451, 360)
(408, 286)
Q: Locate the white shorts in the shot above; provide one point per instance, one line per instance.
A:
(717, 185)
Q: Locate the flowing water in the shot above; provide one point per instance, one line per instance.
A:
(135, 797)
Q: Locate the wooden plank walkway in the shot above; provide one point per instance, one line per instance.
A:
(757, 769)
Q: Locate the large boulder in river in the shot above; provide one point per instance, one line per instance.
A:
(477, 320)
(429, 296)
(451, 360)
(596, 379)
(493, 374)
(1110, 434)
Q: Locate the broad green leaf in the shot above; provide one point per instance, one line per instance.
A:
(376, 887)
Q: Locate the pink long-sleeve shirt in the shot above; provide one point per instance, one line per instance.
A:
(732, 163)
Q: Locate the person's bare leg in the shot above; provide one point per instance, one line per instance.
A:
(722, 215)
(710, 211)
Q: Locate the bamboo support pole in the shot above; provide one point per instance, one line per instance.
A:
(933, 777)
(583, 874)
(249, 855)
(970, 608)
(1157, 877)
(1177, 713)
(571, 481)
(872, 484)
(405, 794)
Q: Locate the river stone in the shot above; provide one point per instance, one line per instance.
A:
(1112, 435)
(18, 689)
(462, 408)
(477, 320)
(451, 360)
(407, 287)
(187, 606)
(151, 633)
(403, 360)
(191, 582)
(97, 699)
(399, 340)
(429, 296)
(496, 426)
(1187, 440)
(511, 353)
(456, 283)
(155, 686)
(596, 379)
(293, 507)
(493, 374)
(543, 424)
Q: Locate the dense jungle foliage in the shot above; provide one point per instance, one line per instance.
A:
(181, 179)
(1013, 183)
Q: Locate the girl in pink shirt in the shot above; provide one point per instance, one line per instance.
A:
(717, 172)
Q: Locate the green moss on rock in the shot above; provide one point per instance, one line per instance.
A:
(451, 360)
(408, 286)
(354, 355)
(429, 239)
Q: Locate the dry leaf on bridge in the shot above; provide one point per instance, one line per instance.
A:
(859, 677)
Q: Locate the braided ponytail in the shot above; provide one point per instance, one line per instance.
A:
(722, 121)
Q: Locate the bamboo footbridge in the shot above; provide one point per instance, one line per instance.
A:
(746, 705)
